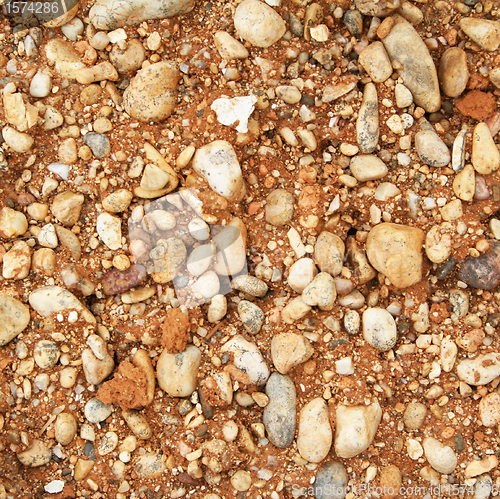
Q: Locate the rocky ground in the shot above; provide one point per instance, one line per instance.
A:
(250, 249)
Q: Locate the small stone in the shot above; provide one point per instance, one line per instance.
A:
(14, 318)
(353, 21)
(355, 428)
(177, 373)
(117, 281)
(331, 481)
(36, 455)
(17, 261)
(17, 141)
(250, 285)
(321, 292)
(236, 110)
(200, 259)
(117, 201)
(395, 250)
(295, 310)
(288, 350)
(138, 424)
(279, 207)
(485, 154)
(489, 410)
(482, 272)
(440, 457)
(12, 223)
(476, 468)
(376, 62)
(258, 23)
(218, 164)
(46, 354)
(431, 149)
(96, 361)
(415, 450)
(64, 56)
(343, 87)
(280, 414)
(452, 210)
(367, 124)
(48, 237)
(217, 308)
(484, 32)
(66, 207)
(109, 229)
(414, 415)
(329, 253)
(108, 443)
(129, 59)
(251, 315)
(288, 94)
(379, 329)
(73, 29)
(301, 274)
(367, 167)
(315, 433)
(228, 47)
(464, 184)
(96, 411)
(65, 428)
(391, 481)
(40, 85)
(100, 72)
(241, 480)
(479, 371)
(152, 93)
(55, 486)
(438, 243)
(453, 72)
(99, 144)
(404, 98)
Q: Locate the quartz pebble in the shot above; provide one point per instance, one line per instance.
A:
(414, 415)
(431, 149)
(250, 285)
(279, 207)
(441, 457)
(295, 310)
(38, 454)
(46, 354)
(485, 154)
(217, 309)
(367, 124)
(288, 350)
(12, 223)
(453, 72)
(65, 428)
(17, 261)
(321, 292)
(177, 373)
(301, 274)
(484, 32)
(14, 318)
(376, 62)
(228, 47)
(355, 428)
(489, 410)
(109, 230)
(481, 370)
(279, 415)
(129, 59)
(315, 433)
(96, 361)
(66, 207)
(99, 144)
(379, 329)
(367, 167)
(18, 141)
(40, 85)
(251, 315)
(258, 23)
(329, 253)
(464, 184)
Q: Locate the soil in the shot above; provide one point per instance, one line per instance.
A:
(478, 105)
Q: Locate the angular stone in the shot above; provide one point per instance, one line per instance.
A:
(481, 370)
(376, 62)
(288, 350)
(482, 272)
(66, 207)
(12, 223)
(14, 318)
(321, 292)
(482, 31)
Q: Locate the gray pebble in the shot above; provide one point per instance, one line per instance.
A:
(331, 481)
(295, 25)
(98, 143)
(251, 315)
(46, 354)
(353, 21)
(279, 416)
(250, 285)
(97, 411)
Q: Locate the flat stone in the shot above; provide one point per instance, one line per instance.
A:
(99, 144)
(405, 47)
(355, 428)
(258, 23)
(280, 414)
(14, 318)
(288, 350)
(367, 167)
(395, 250)
(315, 432)
(250, 285)
(379, 329)
(64, 56)
(177, 373)
(112, 14)
(288, 94)
(485, 154)
(482, 31)
(404, 97)
(36, 455)
(367, 124)
(414, 415)
(295, 310)
(218, 164)
(431, 149)
(152, 93)
(441, 457)
(228, 47)
(481, 370)
(46, 354)
(453, 72)
(343, 87)
(109, 229)
(329, 253)
(236, 110)
(376, 62)
(230, 258)
(96, 411)
(438, 243)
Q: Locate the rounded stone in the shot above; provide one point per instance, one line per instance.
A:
(96, 411)
(379, 329)
(279, 207)
(46, 354)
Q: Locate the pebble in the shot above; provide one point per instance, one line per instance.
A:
(489, 410)
(395, 250)
(404, 45)
(482, 272)
(117, 281)
(41, 85)
(391, 481)
(17, 141)
(414, 415)
(484, 32)
(154, 178)
(329, 253)
(177, 373)
(55, 486)
(404, 97)
(258, 23)
(130, 59)
(118, 201)
(14, 318)
(288, 94)
(48, 237)
(152, 93)
(17, 261)
(331, 481)
(12, 223)
(251, 315)
(112, 14)
(97, 363)
(464, 183)
(367, 167)
(109, 229)
(48, 300)
(376, 62)
(479, 371)
(218, 164)
(355, 428)
(38, 454)
(108, 443)
(315, 432)
(476, 468)
(248, 359)
(453, 72)
(199, 229)
(343, 87)
(200, 259)
(452, 210)
(66, 207)
(485, 155)
(279, 207)
(99, 144)
(67, 377)
(288, 350)
(301, 274)
(241, 480)
(83, 468)
(250, 285)
(431, 149)
(353, 21)
(495, 77)
(207, 286)
(379, 329)
(64, 56)
(367, 124)
(46, 354)
(441, 457)
(150, 465)
(321, 292)
(352, 321)
(458, 152)
(217, 308)
(438, 243)
(65, 428)
(73, 29)
(228, 47)
(448, 354)
(139, 425)
(295, 310)
(96, 411)
(279, 415)
(415, 450)
(102, 71)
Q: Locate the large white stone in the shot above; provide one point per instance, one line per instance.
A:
(315, 432)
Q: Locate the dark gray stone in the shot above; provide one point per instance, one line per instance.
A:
(98, 143)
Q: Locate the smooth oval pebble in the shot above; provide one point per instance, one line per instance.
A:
(315, 432)
(279, 207)
(97, 411)
(46, 354)
(108, 443)
(453, 72)
(379, 329)
(251, 285)
(65, 428)
(431, 149)
(367, 124)
(441, 457)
